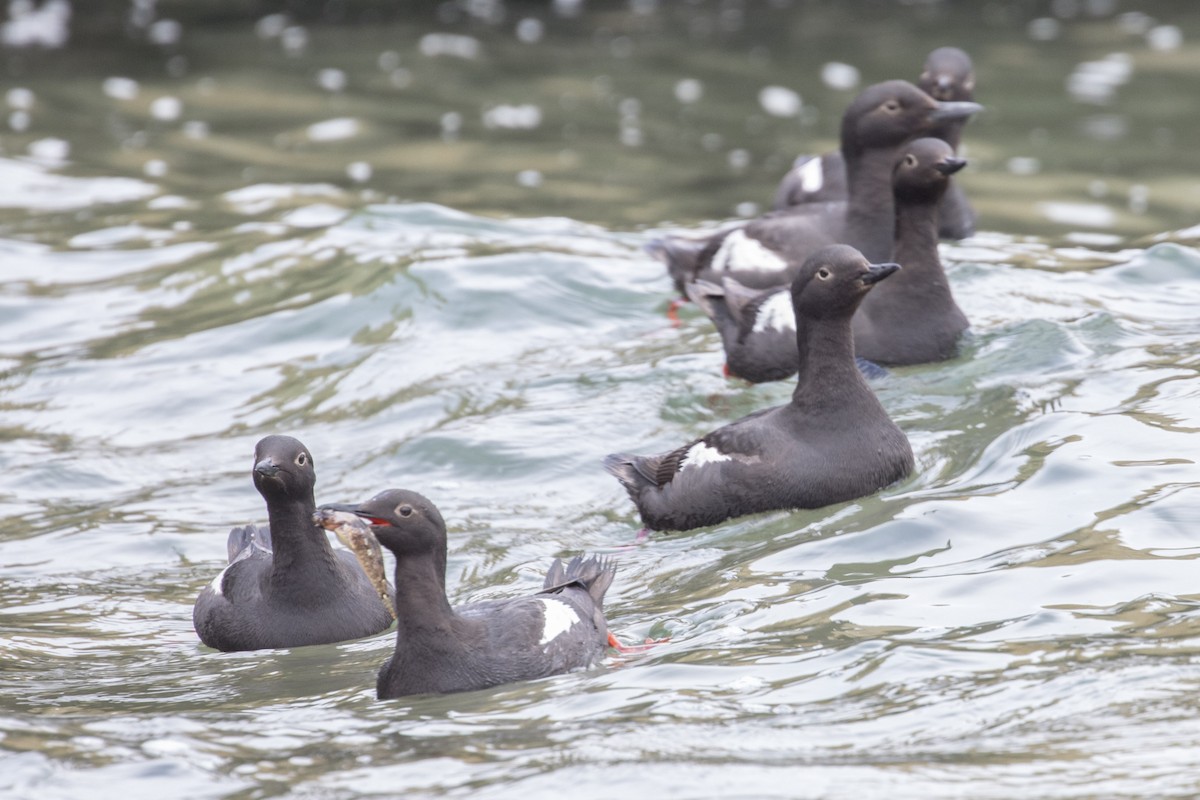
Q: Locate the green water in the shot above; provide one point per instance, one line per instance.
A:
(321, 226)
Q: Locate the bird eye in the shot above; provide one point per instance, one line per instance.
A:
(823, 274)
(891, 106)
(405, 510)
(302, 459)
(910, 160)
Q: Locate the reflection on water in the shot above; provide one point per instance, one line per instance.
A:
(414, 241)
(614, 115)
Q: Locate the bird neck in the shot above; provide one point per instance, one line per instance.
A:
(421, 603)
(869, 207)
(297, 544)
(950, 132)
(916, 250)
(828, 375)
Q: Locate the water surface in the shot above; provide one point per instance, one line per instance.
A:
(414, 241)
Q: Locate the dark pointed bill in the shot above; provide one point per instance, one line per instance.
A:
(877, 272)
(355, 534)
(267, 468)
(354, 508)
(950, 165)
(954, 110)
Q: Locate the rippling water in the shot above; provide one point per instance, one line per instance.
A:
(471, 315)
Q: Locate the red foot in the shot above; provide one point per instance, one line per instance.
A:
(633, 648)
(726, 371)
(673, 311)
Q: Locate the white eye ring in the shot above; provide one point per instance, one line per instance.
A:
(404, 510)
(302, 459)
(823, 274)
(910, 160)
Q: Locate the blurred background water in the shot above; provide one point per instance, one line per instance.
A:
(410, 235)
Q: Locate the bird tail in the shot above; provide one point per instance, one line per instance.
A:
(626, 468)
(741, 301)
(245, 536)
(708, 296)
(682, 256)
(593, 573)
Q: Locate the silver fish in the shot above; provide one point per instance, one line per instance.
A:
(357, 537)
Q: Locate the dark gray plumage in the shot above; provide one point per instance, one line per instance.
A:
(910, 319)
(914, 319)
(948, 75)
(285, 586)
(768, 250)
(442, 649)
(832, 442)
(757, 327)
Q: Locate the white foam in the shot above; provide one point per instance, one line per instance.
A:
(332, 130)
(738, 251)
(450, 44)
(29, 185)
(525, 116)
(837, 75)
(559, 618)
(1091, 215)
(689, 90)
(776, 313)
(701, 454)
(31, 26)
(166, 108)
(780, 101)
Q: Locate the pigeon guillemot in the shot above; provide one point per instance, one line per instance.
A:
(766, 251)
(441, 649)
(911, 319)
(832, 442)
(757, 327)
(948, 75)
(285, 586)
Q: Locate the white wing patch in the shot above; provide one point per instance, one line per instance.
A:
(739, 251)
(559, 618)
(812, 174)
(776, 313)
(244, 553)
(701, 454)
(215, 585)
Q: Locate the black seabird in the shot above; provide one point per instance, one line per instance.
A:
(910, 319)
(443, 649)
(948, 75)
(833, 442)
(914, 319)
(766, 251)
(285, 586)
